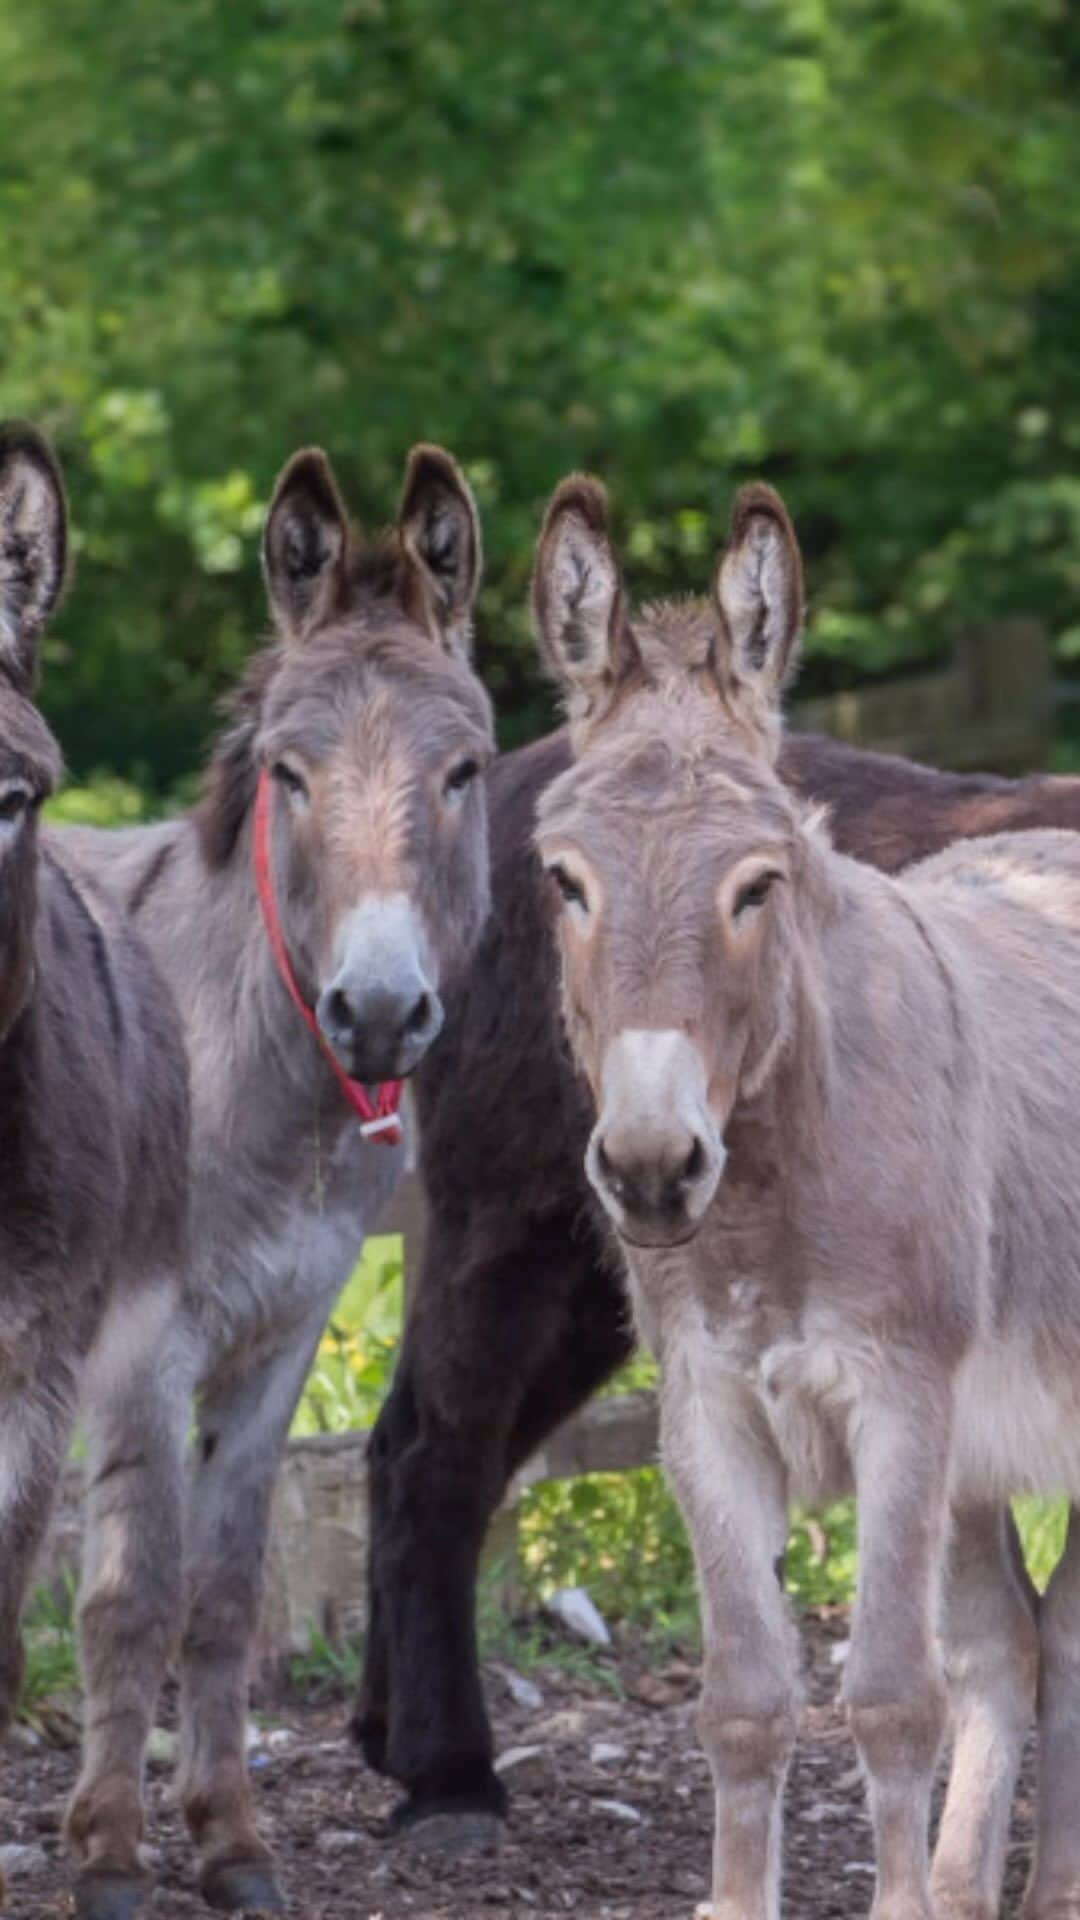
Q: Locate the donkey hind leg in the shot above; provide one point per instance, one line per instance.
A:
(731, 1488)
(991, 1635)
(1054, 1888)
(893, 1685)
(130, 1604)
(242, 1431)
(537, 1330)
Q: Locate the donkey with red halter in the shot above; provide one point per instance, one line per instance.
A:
(310, 915)
(93, 1140)
(835, 1138)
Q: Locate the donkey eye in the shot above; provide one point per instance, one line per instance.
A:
(287, 777)
(755, 892)
(14, 803)
(572, 890)
(461, 776)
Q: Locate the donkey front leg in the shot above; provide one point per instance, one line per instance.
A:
(893, 1687)
(130, 1606)
(731, 1487)
(991, 1634)
(1054, 1889)
(498, 1350)
(243, 1426)
(35, 1428)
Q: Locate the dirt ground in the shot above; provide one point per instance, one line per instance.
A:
(574, 1845)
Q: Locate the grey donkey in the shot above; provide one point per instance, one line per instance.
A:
(359, 737)
(93, 1171)
(836, 1139)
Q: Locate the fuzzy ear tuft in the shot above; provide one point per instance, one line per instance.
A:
(305, 546)
(439, 529)
(759, 593)
(33, 546)
(578, 598)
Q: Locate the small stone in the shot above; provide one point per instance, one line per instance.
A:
(25, 1738)
(339, 1840)
(860, 1866)
(838, 1652)
(619, 1810)
(825, 1810)
(580, 1615)
(22, 1863)
(606, 1753)
(527, 1769)
(162, 1747)
(524, 1692)
(278, 1739)
(567, 1723)
(653, 1691)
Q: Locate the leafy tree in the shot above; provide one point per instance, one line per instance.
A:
(677, 241)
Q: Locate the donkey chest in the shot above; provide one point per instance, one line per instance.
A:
(273, 1253)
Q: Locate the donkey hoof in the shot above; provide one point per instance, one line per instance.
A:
(456, 1836)
(242, 1889)
(107, 1896)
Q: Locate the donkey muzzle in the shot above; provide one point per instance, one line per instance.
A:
(655, 1157)
(380, 1012)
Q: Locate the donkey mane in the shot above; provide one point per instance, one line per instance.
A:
(228, 790)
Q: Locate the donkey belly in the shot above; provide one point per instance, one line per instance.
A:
(1017, 1421)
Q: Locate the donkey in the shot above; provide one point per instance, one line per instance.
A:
(519, 1310)
(834, 1137)
(93, 1136)
(310, 914)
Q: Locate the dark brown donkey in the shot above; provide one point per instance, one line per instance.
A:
(518, 1315)
(93, 1127)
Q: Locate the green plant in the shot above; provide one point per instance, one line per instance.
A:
(327, 1669)
(49, 1637)
(355, 1361)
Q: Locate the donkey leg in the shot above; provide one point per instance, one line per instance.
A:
(131, 1601)
(893, 1686)
(35, 1428)
(1054, 1888)
(992, 1668)
(242, 1431)
(489, 1368)
(731, 1488)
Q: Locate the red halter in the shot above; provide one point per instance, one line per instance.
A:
(379, 1119)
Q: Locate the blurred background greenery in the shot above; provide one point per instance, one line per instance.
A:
(836, 242)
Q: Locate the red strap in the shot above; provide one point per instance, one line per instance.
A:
(378, 1117)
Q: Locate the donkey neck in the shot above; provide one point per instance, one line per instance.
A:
(19, 935)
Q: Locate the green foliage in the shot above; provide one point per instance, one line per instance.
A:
(676, 242)
(355, 1362)
(327, 1670)
(51, 1652)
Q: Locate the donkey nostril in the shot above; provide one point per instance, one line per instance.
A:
(694, 1165)
(613, 1181)
(339, 1012)
(420, 1015)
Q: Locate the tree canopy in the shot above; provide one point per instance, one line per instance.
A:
(834, 242)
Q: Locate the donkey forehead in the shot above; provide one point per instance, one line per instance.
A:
(370, 703)
(695, 795)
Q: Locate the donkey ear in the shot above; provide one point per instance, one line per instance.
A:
(578, 598)
(305, 545)
(33, 545)
(440, 531)
(759, 592)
